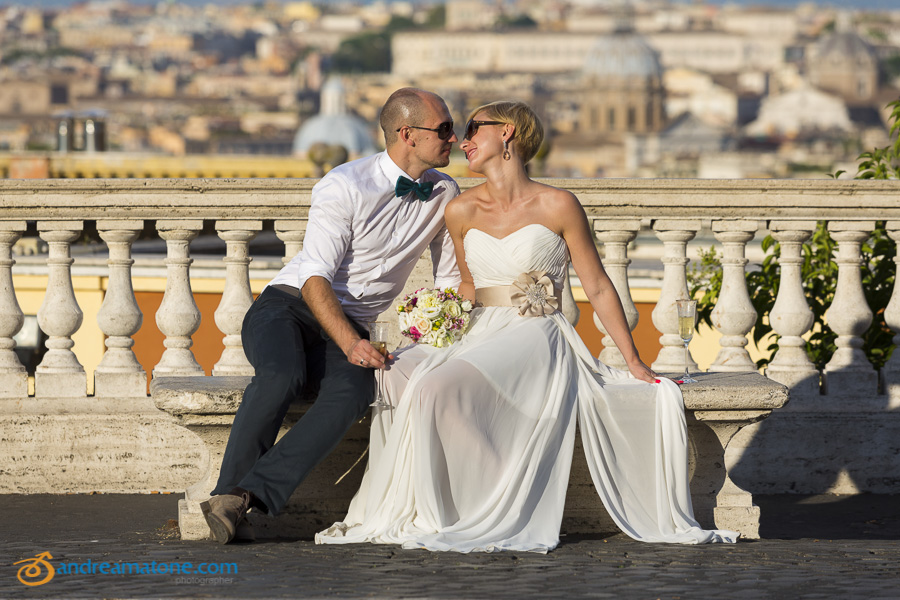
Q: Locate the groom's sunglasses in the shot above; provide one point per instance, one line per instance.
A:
(472, 127)
(443, 131)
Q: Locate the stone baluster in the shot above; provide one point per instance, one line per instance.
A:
(791, 316)
(237, 297)
(13, 377)
(178, 316)
(60, 375)
(891, 370)
(119, 374)
(849, 372)
(674, 234)
(734, 315)
(291, 232)
(615, 236)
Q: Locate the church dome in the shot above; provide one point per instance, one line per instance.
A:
(334, 125)
(845, 47)
(622, 55)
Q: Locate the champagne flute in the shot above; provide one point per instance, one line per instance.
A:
(378, 337)
(687, 313)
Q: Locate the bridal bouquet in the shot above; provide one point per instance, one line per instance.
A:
(434, 317)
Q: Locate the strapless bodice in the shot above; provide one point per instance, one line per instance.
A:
(499, 261)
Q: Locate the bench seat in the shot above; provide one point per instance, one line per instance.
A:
(717, 407)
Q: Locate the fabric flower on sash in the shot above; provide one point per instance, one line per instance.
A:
(532, 292)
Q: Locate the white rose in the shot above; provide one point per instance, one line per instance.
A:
(422, 325)
(431, 311)
(466, 305)
(452, 309)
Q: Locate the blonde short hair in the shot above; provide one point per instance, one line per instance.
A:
(529, 132)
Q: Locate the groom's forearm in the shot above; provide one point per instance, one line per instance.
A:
(323, 303)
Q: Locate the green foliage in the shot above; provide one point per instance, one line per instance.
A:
(398, 23)
(515, 22)
(17, 54)
(892, 65)
(364, 53)
(437, 16)
(370, 52)
(819, 273)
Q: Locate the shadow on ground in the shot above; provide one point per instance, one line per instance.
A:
(147, 517)
(857, 517)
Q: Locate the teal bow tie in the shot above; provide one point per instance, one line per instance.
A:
(406, 185)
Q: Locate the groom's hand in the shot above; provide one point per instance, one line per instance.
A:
(364, 354)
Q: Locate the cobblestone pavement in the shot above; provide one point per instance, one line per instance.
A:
(815, 547)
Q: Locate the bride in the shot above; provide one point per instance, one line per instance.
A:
(475, 456)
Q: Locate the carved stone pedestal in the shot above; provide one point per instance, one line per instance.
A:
(717, 408)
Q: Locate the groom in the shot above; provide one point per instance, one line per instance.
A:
(369, 222)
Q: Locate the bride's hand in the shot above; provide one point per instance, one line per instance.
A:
(643, 372)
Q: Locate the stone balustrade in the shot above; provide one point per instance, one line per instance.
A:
(675, 211)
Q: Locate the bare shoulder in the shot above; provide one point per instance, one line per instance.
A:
(560, 204)
(463, 206)
(560, 196)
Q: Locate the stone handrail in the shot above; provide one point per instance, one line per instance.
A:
(791, 199)
(674, 210)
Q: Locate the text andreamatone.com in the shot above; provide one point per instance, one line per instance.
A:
(145, 568)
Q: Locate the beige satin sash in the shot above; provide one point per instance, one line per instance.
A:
(533, 293)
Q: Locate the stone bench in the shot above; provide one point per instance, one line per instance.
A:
(717, 408)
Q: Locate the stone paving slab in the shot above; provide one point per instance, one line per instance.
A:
(814, 547)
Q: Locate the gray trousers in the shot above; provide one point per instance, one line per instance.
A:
(291, 354)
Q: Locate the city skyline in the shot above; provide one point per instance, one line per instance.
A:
(871, 5)
(686, 90)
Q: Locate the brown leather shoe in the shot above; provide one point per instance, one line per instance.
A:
(244, 532)
(224, 513)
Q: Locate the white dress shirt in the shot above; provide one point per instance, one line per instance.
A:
(366, 241)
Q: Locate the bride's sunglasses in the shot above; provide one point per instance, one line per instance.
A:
(443, 131)
(472, 127)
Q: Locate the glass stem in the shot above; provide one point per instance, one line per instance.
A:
(378, 396)
(687, 358)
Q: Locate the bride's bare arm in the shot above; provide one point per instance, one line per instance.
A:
(458, 219)
(596, 283)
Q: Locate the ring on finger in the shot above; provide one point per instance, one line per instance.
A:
(362, 362)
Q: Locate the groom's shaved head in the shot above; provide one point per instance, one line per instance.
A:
(406, 106)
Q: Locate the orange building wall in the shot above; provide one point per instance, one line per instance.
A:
(148, 341)
(208, 346)
(646, 338)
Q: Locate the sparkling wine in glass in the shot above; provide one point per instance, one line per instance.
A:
(378, 336)
(687, 314)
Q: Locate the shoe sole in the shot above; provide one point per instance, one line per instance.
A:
(217, 527)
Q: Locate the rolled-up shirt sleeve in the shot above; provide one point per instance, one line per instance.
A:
(443, 258)
(328, 232)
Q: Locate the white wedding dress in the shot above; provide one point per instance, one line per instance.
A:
(476, 454)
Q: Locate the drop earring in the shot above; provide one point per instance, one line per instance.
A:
(506, 155)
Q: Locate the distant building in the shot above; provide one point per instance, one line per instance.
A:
(843, 63)
(623, 87)
(334, 125)
(801, 113)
